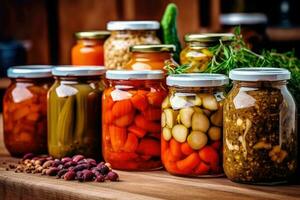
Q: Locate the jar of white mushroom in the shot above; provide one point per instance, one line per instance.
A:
(260, 136)
(125, 34)
(192, 120)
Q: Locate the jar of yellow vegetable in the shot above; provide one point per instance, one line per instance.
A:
(192, 120)
(74, 112)
(196, 54)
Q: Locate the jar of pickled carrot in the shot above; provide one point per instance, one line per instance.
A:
(192, 120)
(74, 112)
(25, 110)
(131, 119)
(89, 48)
(150, 57)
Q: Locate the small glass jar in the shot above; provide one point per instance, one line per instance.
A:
(131, 119)
(150, 57)
(89, 48)
(260, 136)
(196, 54)
(74, 112)
(25, 109)
(192, 120)
(125, 34)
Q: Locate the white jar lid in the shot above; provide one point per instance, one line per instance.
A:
(132, 25)
(134, 74)
(259, 74)
(197, 80)
(78, 70)
(30, 71)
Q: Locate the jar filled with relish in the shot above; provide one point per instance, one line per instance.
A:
(196, 54)
(74, 112)
(25, 109)
(192, 124)
(150, 57)
(131, 119)
(89, 48)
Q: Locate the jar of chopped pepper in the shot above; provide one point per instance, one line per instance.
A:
(196, 54)
(260, 136)
(192, 120)
(150, 57)
(131, 119)
(25, 109)
(125, 34)
(74, 112)
(89, 48)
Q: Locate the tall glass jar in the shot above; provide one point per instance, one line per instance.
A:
(74, 112)
(260, 136)
(131, 119)
(125, 34)
(89, 48)
(196, 54)
(192, 121)
(150, 57)
(25, 110)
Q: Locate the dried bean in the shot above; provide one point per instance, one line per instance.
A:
(112, 176)
(77, 158)
(81, 167)
(70, 175)
(100, 178)
(62, 172)
(66, 159)
(28, 156)
(52, 171)
(48, 164)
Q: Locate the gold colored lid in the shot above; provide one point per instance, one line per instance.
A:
(209, 37)
(92, 35)
(153, 48)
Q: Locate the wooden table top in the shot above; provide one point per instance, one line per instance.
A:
(133, 185)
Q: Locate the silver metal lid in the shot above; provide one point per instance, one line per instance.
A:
(132, 25)
(29, 71)
(78, 70)
(259, 74)
(209, 37)
(197, 80)
(153, 48)
(134, 74)
(243, 19)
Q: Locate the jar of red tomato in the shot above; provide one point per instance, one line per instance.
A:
(25, 110)
(89, 48)
(192, 121)
(131, 119)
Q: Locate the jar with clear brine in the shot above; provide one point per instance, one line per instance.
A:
(25, 109)
(125, 34)
(131, 119)
(74, 112)
(196, 54)
(192, 121)
(260, 136)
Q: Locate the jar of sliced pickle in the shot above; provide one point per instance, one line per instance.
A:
(192, 120)
(131, 119)
(196, 54)
(25, 109)
(74, 112)
(150, 57)
(125, 34)
(260, 136)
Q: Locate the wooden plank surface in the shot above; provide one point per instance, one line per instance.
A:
(133, 185)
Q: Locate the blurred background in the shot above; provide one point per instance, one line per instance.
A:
(42, 31)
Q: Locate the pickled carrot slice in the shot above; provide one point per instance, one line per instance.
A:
(155, 98)
(202, 169)
(107, 102)
(33, 117)
(189, 163)
(175, 149)
(122, 107)
(186, 149)
(216, 145)
(209, 155)
(164, 145)
(139, 132)
(124, 120)
(152, 114)
(121, 156)
(149, 147)
(139, 101)
(108, 117)
(131, 143)
(117, 137)
(145, 124)
(21, 112)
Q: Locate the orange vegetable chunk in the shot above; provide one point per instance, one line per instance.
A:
(131, 143)
(175, 149)
(149, 147)
(122, 107)
(209, 155)
(186, 149)
(189, 163)
(117, 137)
(139, 132)
(124, 120)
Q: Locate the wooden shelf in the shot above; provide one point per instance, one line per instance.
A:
(133, 185)
(283, 34)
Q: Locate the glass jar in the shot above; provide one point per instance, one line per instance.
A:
(192, 120)
(25, 110)
(74, 112)
(196, 54)
(125, 34)
(131, 119)
(150, 57)
(260, 137)
(89, 48)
